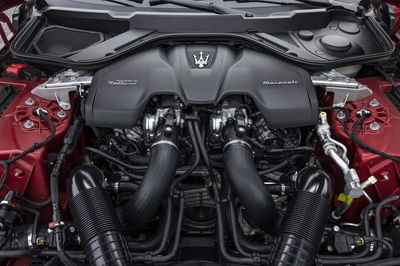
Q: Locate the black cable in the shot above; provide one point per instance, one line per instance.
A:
(120, 150)
(127, 187)
(12, 253)
(113, 159)
(178, 232)
(165, 233)
(196, 160)
(34, 204)
(220, 223)
(383, 241)
(378, 218)
(39, 145)
(249, 246)
(353, 135)
(365, 146)
(360, 257)
(277, 167)
(235, 231)
(174, 251)
(384, 262)
(39, 113)
(55, 261)
(70, 140)
(132, 177)
(6, 170)
(388, 78)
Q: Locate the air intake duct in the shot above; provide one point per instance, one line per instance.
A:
(154, 188)
(248, 186)
(96, 219)
(303, 225)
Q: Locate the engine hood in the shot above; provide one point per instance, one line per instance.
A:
(201, 74)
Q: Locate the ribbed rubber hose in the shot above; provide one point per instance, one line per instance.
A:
(96, 220)
(303, 225)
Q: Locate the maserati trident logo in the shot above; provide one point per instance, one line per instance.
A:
(200, 61)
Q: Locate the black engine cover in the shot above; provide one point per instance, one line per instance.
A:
(283, 93)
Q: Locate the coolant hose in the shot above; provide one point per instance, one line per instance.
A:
(303, 225)
(154, 188)
(96, 219)
(248, 186)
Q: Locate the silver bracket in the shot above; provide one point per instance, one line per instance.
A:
(349, 6)
(345, 89)
(58, 87)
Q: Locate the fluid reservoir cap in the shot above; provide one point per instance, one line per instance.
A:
(306, 35)
(349, 27)
(336, 43)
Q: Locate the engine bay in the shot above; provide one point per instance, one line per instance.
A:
(187, 152)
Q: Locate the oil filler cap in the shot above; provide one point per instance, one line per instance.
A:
(336, 43)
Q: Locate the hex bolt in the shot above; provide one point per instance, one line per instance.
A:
(242, 129)
(18, 172)
(168, 128)
(29, 102)
(374, 103)
(28, 124)
(62, 114)
(336, 228)
(329, 248)
(341, 115)
(374, 126)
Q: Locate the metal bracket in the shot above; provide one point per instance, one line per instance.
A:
(58, 87)
(345, 89)
(349, 6)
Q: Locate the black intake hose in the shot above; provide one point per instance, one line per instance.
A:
(96, 219)
(303, 225)
(154, 188)
(248, 186)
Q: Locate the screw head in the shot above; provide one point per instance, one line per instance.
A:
(28, 124)
(29, 102)
(374, 103)
(62, 114)
(168, 128)
(341, 115)
(374, 126)
(241, 129)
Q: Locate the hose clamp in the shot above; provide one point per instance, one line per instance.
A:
(8, 203)
(236, 142)
(167, 142)
(54, 225)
